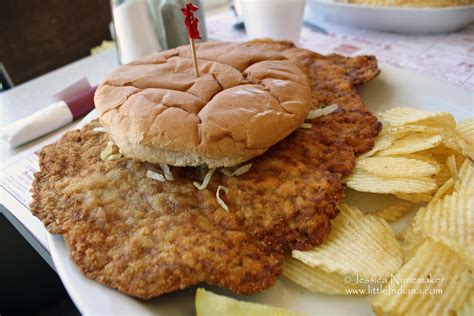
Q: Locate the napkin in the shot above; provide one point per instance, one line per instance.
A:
(75, 101)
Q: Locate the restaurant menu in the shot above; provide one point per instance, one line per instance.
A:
(448, 57)
(16, 178)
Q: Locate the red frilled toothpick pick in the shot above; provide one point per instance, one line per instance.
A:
(191, 23)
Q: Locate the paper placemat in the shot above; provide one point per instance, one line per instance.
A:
(448, 57)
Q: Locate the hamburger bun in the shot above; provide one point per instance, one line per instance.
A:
(245, 100)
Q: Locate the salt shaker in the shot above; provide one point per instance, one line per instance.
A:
(135, 32)
(173, 22)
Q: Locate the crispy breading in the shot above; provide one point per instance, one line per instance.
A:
(333, 77)
(145, 237)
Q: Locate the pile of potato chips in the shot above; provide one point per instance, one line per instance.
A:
(419, 156)
(416, 153)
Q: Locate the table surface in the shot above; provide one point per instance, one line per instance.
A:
(36, 94)
(31, 96)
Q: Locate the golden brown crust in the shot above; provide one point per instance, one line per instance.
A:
(156, 110)
(146, 238)
(333, 78)
(51, 179)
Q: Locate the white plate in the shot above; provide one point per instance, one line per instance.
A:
(391, 19)
(393, 87)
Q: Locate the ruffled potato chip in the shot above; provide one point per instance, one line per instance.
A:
(452, 166)
(409, 129)
(412, 143)
(318, 280)
(442, 176)
(383, 141)
(433, 282)
(412, 237)
(465, 128)
(359, 244)
(414, 197)
(468, 308)
(403, 115)
(465, 132)
(466, 177)
(458, 143)
(450, 221)
(364, 181)
(393, 167)
(428, 158)
(443, 190)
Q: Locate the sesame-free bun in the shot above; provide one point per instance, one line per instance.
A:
(246, 99)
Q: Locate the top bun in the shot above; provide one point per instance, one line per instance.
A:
(245, 100)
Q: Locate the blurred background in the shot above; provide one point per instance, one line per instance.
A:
(41, 35)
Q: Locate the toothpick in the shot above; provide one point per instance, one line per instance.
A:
(193, 51)
(191, 23)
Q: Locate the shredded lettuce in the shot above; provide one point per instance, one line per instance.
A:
(167, 172)
(306, 125)
(219, 200)
(155, 176)
(114, 157)
(242, 170)
(226, 172)
(322, 111)
(104, 155)
(238, 172)
(207, 178)
(99, 130)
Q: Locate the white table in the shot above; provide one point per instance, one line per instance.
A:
(36, 94)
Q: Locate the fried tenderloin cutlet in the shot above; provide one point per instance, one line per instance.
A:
(145, 237)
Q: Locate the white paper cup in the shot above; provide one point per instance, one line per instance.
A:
(276, 19)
